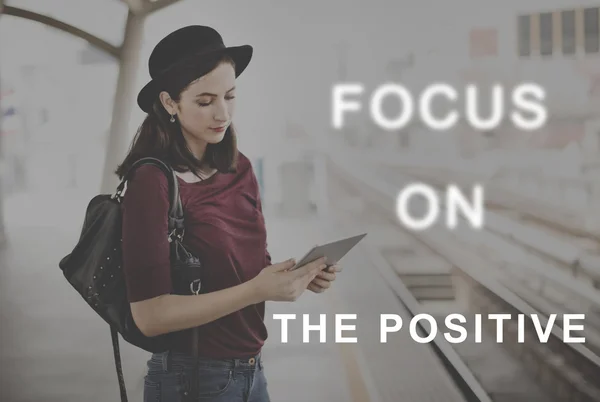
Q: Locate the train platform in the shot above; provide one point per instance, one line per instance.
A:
(55, 349)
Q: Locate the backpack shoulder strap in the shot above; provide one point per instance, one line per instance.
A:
(176, 224)
(117, 354)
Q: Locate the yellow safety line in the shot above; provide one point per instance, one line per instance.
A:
(358, 387)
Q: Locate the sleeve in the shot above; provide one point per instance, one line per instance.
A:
(146, 257)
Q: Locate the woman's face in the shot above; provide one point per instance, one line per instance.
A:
(206, 106)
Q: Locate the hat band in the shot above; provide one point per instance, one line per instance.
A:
(205, 50)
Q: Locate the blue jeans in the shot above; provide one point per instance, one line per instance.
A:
(177, 377)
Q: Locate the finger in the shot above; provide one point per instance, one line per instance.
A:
(335, 268)
(327, 276)
(314, 288)
(321, 283)
(321, 261)
(332, 267)
(307, 279)
(310, 268)
(282, 266)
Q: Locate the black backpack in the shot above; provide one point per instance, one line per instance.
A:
(94, 267)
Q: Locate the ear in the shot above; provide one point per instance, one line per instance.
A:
(169, 104)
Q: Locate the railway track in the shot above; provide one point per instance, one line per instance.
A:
(486, 280)
(560, 223)
(551, 264)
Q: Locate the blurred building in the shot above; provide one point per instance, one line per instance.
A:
(558, 47)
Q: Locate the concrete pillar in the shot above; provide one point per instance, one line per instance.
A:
(2, 228)
(591, 149)
(295, 182)
(320, 176)
(125, 99)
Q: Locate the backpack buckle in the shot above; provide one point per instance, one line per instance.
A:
(195, 286)
(174, 233)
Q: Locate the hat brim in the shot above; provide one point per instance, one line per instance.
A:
(241, 56)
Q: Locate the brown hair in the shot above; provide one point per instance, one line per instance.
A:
(159, 138)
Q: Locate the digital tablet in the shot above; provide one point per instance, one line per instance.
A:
(334, 251)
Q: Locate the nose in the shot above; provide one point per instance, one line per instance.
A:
(221, 112)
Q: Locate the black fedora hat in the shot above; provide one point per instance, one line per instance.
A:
(194, 42)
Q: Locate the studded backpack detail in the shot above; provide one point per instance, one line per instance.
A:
(94, 267)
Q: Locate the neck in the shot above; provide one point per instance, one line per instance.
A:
(196, 146)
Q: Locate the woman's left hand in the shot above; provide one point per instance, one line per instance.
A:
(323, 280)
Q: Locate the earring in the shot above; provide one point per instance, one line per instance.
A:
(172, 120)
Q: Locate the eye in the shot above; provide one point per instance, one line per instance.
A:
(209, 103)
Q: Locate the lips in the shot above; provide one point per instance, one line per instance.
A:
(219, 129)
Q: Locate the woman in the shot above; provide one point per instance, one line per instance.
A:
(190, 104)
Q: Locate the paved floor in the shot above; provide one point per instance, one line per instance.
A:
(54, 349)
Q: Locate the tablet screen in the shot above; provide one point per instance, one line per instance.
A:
(334, 251)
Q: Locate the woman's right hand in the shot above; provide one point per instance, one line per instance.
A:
(276, 283)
